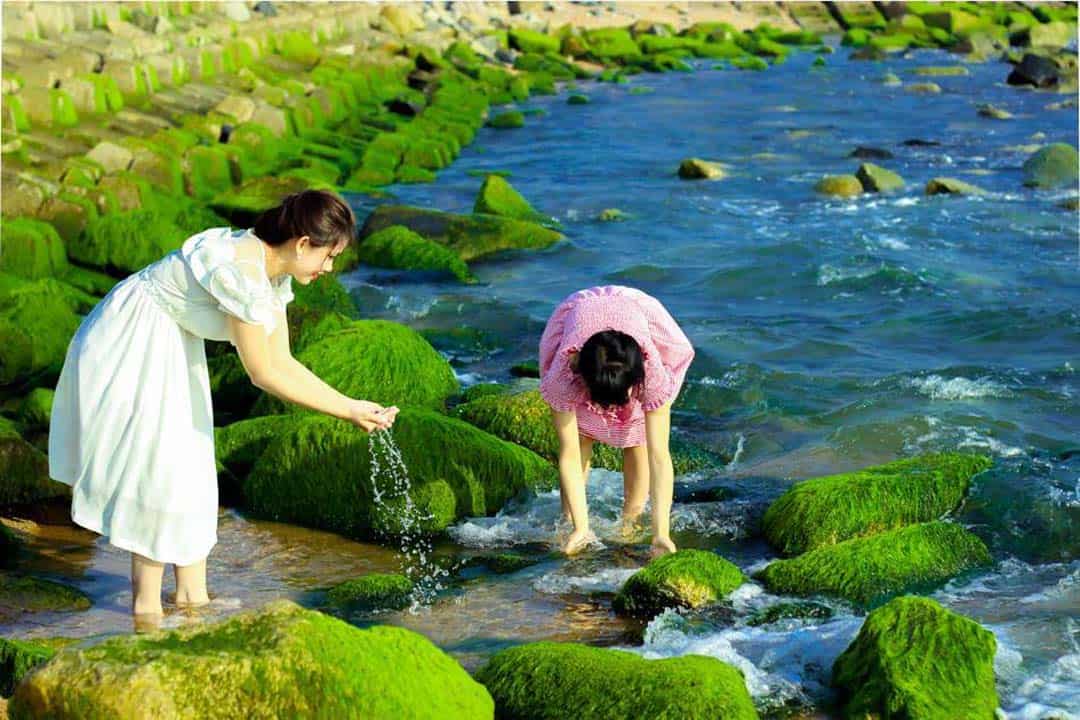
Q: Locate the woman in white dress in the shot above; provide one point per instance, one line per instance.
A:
(132, 424)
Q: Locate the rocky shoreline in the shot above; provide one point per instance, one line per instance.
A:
(129, 126)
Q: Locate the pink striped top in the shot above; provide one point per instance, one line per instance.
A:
(664, 346)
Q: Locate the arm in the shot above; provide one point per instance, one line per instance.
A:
(269, 363)
(571, 480)
(661, 473)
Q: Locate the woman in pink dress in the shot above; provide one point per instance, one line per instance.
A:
(612, 361)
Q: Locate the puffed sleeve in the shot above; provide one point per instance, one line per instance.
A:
(559, 385)
(669, 357)
(238, 287)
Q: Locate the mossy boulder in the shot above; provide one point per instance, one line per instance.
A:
(952, 186)
(24, 594)
(377, 360)
(280, 661)
(525, 419)
(545, 680)
(376, 591)
(318, 473)
(532, 41)
(830, 509)
(399, 247)
(875, 178)
(37, 321)
(470, 236)
(508, 120)
(32, 249)
(498, 197)
(870, 570)
(10, 544)
(577, 99)
(18, 657)
(839, 186)
(611, 45)
(504, 563)
(36, 409)
(127, 241)
(697, 169)
(686, 579)
(24, 470)
(913, 658)
(1052, 167)
(243, 204)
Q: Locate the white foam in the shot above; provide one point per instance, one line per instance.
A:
(607, 580)
(937, 387)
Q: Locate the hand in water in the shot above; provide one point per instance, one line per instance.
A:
(371, 416)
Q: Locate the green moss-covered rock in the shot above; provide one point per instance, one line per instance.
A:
(243, 204)
(324, 298)
(281, 661)
(376, 591)
(914, 659)
(470, 236)
(399, 247)
(1051, 167)
(875, 178)
(749, 62)
(23, 594)
(18, 657)
(318, 472)
(697, 169)
(430, 507)
(37, 321)
(127, 241)
(790, 610)
(941, 71)
(36, 408)
(870, 570)
(547, 680)
(508, 120)
(839, 185)
(533, 41)
(32, 249)
(498, 197)
(577, 99)
(504, 563)
(952, 186)
(612, 45)
(377, 360)
(687, 578)
(827, 510)
(525, 419)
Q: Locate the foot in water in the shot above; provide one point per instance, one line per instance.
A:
(661, 546)
(578, 541)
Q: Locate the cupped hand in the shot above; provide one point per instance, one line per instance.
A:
(371, 416)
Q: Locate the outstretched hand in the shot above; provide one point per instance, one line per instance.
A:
(371, 416)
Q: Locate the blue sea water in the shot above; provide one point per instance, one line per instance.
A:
(830, 333)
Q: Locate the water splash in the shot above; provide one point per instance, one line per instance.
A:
(391, 488)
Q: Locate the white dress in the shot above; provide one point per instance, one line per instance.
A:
(132, 423)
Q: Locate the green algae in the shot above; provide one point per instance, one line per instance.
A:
(687, 578)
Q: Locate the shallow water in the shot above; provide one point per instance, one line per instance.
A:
(831, 334)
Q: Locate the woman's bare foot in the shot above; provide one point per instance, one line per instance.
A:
(578, 541)
(192, 599)
(661, 546)
(146, 622)
(630, 527)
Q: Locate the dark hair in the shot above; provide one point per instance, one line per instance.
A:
(610, 363)
(320, 214)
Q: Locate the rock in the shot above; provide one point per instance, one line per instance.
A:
(891, 80)
(470, 236)
(917, 142)
(1034, 70)
(839, 185)
(913, 658)
(128, 241)
(952, 186)
(927, 88)
(790, 610)
(558, 680)
(32, 249)
(256, 664)
(23, 594)
(36, 409)
(375, 591)
(686, 579)
(504, 563)
(508, 120)
(612, 215)
(1052, 34)
(875, 178)
(400, 248)
(265, 7)
(238, 107)
(1070, 204)
(498, 197)
(870, 153)
(37, 321)
(697, 169)
(525, 419)
(942, 71)
(870, 570)
(531, 41)
(112, 157)
(235, 11)
(399, 19)
(877, 498)
(993, 112)
(1053, 166)
(577, 99)
(316, 471)
(19, 657)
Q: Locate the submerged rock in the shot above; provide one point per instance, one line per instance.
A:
(870, 570)
(687, 579)
(280, 661)
(24, 594)
(952, 186)
(697, 169)
(498, 197)
(926, 88)
(993, 112)
(399, 247)
(833, 508)
(1034, 70)
(545, 680)
(508, 120)
(1052, 167)
(913, 658)
(790, 610)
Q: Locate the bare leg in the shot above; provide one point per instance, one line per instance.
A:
(146, 585)
(635, 485)
(191, 584)
(586, 463)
